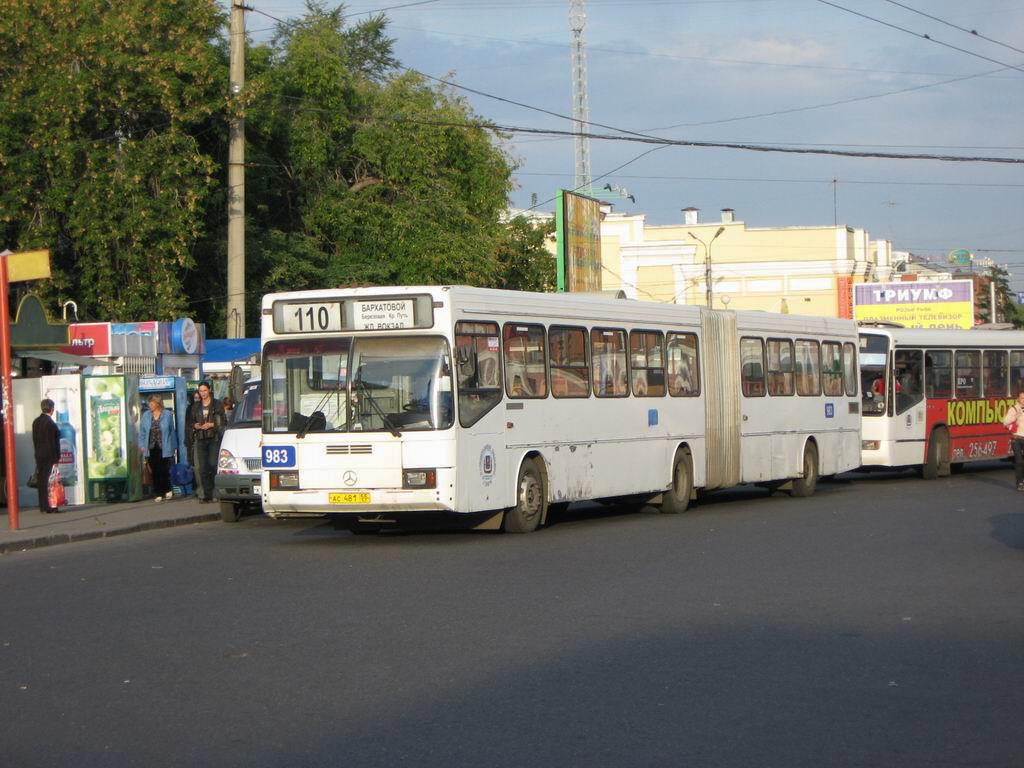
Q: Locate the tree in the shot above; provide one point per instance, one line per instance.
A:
(1008, 310)
(363, 174)
(101, 111)
(526, 263)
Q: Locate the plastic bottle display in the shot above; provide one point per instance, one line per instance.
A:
(67, 468)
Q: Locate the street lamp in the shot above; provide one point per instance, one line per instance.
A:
(707, 260)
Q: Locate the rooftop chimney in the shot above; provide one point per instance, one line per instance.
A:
(691, 216)
(728, 215)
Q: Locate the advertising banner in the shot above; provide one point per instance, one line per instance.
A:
(90, 339)
(66, 392)
(578, 229)
(948, 304)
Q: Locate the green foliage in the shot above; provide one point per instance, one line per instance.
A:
(526, 262)
(100, 109)
(113, 144)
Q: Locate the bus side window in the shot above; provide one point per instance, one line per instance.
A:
(525, 360)
(752, 367)
(938, 373)
(1016, 371)
(909, 376)
(477, 369)
(995, 373)
(608, 363)
(683, 365)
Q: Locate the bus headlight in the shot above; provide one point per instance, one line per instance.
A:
(284, 480)
(870, 445)
(419, 478)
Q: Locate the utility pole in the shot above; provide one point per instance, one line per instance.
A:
(235, 316)
(580, 105)
(709, 292)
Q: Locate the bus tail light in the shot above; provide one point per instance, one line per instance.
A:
(419, 478)
(284, 480)
(870, 445)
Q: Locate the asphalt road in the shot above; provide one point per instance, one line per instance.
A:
(879, 623)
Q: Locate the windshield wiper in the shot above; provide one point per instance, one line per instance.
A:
(309, 419)
(380, 411)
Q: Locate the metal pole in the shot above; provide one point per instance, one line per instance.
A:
(8, 400)
(235, 315)
(993, 315)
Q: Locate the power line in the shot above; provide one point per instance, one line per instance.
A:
(954, 26)
(749, 180)
(921, 35)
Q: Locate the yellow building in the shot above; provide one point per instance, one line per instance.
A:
(800, 270)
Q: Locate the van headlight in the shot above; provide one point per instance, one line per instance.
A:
(228, 463)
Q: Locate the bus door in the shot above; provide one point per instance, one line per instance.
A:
(482, 462)
(908, 406)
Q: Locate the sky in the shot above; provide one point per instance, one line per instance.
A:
(850, 75)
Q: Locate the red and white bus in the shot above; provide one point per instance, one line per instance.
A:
(933, 398)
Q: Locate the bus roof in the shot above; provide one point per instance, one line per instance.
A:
(952, 337)
(468, 300)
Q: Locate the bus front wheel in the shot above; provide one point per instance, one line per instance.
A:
(531, 499)
(804, 486)
(677, 498)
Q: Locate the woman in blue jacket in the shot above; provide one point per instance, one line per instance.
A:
(157, 441)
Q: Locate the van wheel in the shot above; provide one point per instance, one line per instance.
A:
(531, 500)
(937, 464)
(230, 512)
(804, 486)
(677, 498)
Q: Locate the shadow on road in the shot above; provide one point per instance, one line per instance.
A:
(1008, 528)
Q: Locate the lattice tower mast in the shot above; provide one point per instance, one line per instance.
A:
(580, 106)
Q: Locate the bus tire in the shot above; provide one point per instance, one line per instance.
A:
(677, 498)
(531, 500)
(937, 463)
(230, 512)
(804, 485)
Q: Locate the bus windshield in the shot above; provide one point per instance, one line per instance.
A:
(357, 385)
(874, 352)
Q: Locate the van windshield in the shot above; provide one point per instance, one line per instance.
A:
(249, 411)
(389, 384)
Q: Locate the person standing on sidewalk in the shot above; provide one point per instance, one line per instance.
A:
(208, 422)
(1014, 421)
(157, 441)
(46, 443)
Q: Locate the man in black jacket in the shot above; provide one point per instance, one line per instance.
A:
(46, 442)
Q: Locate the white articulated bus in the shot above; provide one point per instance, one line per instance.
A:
(391, 406)
(935, 398)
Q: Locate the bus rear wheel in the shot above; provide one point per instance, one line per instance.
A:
(677, 498)
(937, 463)
(531, 500)
(804, 486)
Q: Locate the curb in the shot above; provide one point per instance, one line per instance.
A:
(66, 538)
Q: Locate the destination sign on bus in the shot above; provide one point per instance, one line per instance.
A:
(308, 318)
(382, 314)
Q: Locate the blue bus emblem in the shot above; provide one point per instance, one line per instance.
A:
(278, 455)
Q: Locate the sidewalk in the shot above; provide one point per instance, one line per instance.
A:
(94, 521)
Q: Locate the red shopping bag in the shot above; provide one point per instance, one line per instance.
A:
(55, 490)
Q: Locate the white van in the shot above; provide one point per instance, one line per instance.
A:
(237, 483)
